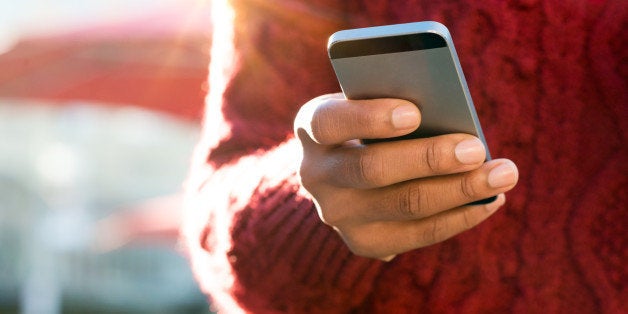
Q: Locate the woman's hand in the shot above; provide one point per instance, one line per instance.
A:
(392, 197)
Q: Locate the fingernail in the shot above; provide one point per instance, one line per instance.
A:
(405, 117)
(470, 151)
(503, 175)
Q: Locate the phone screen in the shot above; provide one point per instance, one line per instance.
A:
(416, 67)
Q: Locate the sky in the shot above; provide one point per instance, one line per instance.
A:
(20, 18)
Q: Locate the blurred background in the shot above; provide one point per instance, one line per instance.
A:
(100, 103)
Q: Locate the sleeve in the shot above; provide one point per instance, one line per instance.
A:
(256, 244)
(251, 233)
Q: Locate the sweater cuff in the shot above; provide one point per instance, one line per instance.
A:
(284, 258)
(267, 250)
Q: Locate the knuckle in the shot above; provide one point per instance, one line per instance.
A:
(309, 176)
(427, 237)
(319, 117)
(360, 246)
(336, 208)
(371, 169)
(433, 233)
(467, 188)
(409, 201)
(320, 125)
(432, 157)
(329, 216)
(307, 181)
(326, 218)
(361, 241)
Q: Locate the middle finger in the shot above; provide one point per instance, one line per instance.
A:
(422, 198)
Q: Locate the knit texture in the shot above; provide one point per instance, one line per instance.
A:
(548, 80)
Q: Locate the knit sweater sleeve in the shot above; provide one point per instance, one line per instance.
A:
(254, 238)
(549, 85)
(257, 245)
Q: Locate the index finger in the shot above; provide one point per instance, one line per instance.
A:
(333, 120)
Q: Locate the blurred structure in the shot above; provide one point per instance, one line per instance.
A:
(158, 61)
(93, 123)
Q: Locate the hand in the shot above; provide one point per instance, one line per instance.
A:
(392, 197)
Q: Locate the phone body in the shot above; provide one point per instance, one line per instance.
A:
(414, 61)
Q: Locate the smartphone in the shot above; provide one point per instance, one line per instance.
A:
(414, 61)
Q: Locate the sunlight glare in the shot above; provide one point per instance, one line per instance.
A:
(221, 69)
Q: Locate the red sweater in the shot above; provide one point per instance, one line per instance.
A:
(549, 82)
